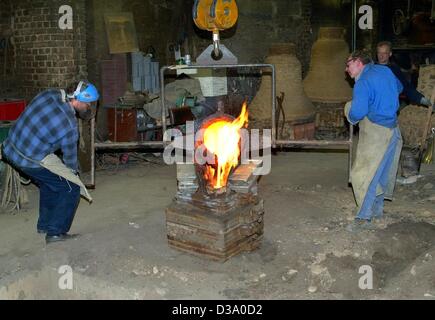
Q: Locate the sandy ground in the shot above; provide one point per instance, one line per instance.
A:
(306, 253)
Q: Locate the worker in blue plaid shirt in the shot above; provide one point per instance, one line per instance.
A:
(49, 124)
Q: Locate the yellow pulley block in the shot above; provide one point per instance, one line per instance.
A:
(215, 15)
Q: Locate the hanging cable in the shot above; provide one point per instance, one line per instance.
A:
(14, 195)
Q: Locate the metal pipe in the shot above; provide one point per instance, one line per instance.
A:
(216, 50)
(92, 133)
(218, 66)
(353, 45)
(162, 97)
(127, 145)
(116, 123)
(350, 150)
(312, 143)
(274, 133)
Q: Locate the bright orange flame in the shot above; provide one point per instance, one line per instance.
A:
(222, 139)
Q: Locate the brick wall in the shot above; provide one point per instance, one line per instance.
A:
(47, 56)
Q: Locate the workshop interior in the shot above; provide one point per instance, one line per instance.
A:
(180, 78)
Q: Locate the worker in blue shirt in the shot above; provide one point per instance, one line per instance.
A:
(49, 124)
(374, 106)
(384, 53)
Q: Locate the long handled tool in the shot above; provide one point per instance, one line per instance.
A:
(427, 126)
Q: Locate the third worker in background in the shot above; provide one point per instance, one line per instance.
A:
(384, 53)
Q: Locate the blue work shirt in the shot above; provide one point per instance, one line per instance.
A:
(409, 91)
(376, 96)
(46, 125)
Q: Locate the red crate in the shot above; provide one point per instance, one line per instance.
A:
(10, 109)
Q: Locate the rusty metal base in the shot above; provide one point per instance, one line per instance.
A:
(202, 232)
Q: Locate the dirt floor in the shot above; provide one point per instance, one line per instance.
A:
(306, 253)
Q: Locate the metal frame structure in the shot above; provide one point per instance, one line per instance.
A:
(216, 66)
(275, 142)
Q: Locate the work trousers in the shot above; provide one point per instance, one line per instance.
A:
(58, 200)
(373, 204)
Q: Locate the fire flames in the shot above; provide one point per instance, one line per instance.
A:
(222, 138)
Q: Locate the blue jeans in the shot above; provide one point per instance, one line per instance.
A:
(58, 200)
(373, 205)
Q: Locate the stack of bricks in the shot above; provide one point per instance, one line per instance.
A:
(46, 55)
